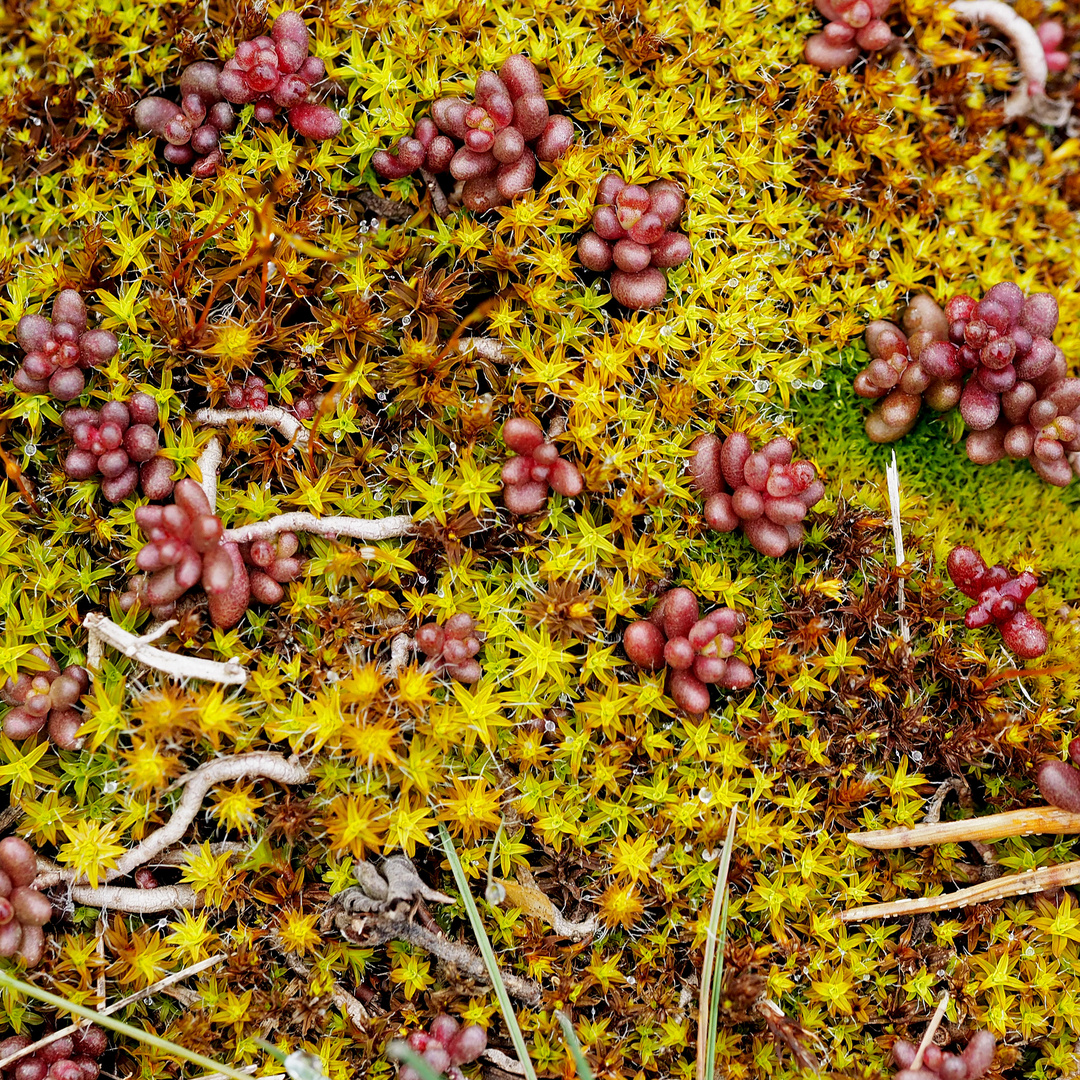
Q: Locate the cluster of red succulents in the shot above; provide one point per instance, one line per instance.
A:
(193, 128)
(492, 143)
(23, 910)
(46, 699)
(279, 72)
(1051, 35)
(445, 1046)
(452, 647)
(765, 493)
(249, 394)
(271, 564)
(1018, 401)
(536, 469)
(632, 230)
(854, 27)
(71, 1057)
(1000, 601)
(896, 377)
(118, 442)
(697, 651)
(186, 549)
(60, 350)
(938, 1064)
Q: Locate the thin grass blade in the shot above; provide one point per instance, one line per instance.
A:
(583, 1070)
(708, 999)
(402, 1051)
(488, 953)
(121, 1028)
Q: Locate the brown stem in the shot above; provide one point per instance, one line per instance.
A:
(1049, 877)
(1033, 819)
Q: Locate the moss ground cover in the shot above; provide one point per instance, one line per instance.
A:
(400, 341)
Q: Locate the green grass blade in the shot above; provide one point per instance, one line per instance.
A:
(486, 951)
(402, 1051)
(583, 1070)
(711, 970)
(120, 1027)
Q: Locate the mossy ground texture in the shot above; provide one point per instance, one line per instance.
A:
(815, 204)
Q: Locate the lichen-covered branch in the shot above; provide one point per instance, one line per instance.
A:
(209, 464)
(1029, 98)
(330, 527)
(272, 416)
(1048, 877)
(1034, 819)
(177, 665)
(196, 784)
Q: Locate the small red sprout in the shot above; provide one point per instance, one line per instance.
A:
(937, 1064)
(59, 350)
(445, 1046)
(908, 367)
(535, 470)
(278, 72)
(769, 493)
(451, 647)
(632, 230)
(698, 652)
(492, 143)
(191, 129)
(23, 910)
(119, 442)
(1000, 600)
(72, 1057)
(854, 27)
(46, 699)
(1051, 35)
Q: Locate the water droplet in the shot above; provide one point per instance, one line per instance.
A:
(30, 449)
(732, 282)
(406, 321)
(762, 386)
(705, 796)
(337, 435)
(495, 893)
(818, 384)
(916, 755)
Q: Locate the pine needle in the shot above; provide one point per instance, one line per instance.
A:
(486, 951)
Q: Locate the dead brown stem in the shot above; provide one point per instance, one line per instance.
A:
(1033, 819)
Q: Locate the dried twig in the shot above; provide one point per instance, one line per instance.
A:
(439, 202)
(931, 1030)
(1048, 877)
(341, 997)
(1034, 819)
(400, 647)
(380, 909)
(137, 901)
(1029, 98)
(272, 416)
(116, 1006)
(331, 527)
(178, 665)
(390, 209)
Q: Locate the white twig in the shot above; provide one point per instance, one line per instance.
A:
(116, 1006)
(928, 1035)
(892, 477)
(272, 416)
(330, 527)
(1029, 98)
(400, 647)
(488, 348)
(209, 463)
(137, 901)
(177, 665)
(196, 785)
